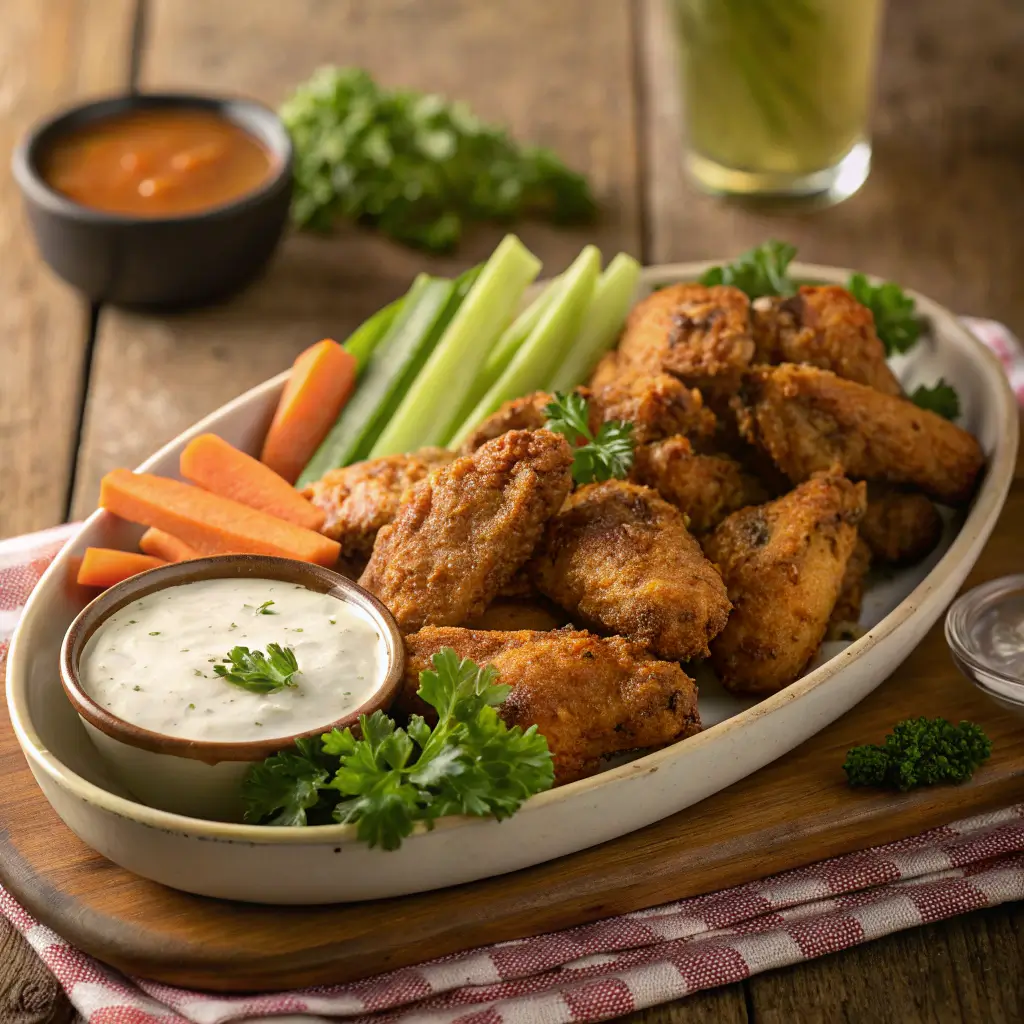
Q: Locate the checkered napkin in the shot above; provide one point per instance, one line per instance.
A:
(604, 969)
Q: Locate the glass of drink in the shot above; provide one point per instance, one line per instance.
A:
(777, 94)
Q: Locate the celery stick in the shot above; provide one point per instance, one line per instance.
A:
(538, 357)
(602, 322)
(431, 404)
(506, 347)
(365, 338)
(393, 365)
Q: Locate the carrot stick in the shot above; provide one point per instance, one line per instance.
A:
(217, 466)
(207, 522)
(103, 567)
(162, 545)
(321, 381)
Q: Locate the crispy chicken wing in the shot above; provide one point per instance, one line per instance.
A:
(658, 406)
(589, 697)
(700, 335)
(824, 326)
(900, 526)
(783, 564)
(621, 560)
(705, 488)
(846, 614)
(808, 419)
(359, 499)
(461, 534)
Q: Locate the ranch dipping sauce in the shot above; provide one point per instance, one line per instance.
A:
(152, 662)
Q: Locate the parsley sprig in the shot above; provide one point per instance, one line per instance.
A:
(896, 321)
(258, 672)
(940, 398)
(414, 165)
(389, 778)
(759, 271)
(596, 457)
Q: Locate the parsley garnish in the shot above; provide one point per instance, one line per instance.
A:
(264, 609)
(471, 762)
(259, 672)
(413, 165)
(600, 456)
(939, 398)
(896, 321)
(760, 271)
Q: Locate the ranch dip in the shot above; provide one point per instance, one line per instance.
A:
(152, 662)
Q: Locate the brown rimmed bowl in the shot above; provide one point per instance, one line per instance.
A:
(201, 778)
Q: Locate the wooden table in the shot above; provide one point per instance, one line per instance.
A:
(83, 390)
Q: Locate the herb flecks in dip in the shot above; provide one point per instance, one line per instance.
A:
(157, 163)
(152, 663)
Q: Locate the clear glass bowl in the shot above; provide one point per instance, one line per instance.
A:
(985, 633)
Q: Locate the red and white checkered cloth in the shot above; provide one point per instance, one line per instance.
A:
(604, 969)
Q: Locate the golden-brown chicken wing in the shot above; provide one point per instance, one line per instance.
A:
(783, 564)
(808, 419)
(705, 488)
(843, 625)
(824, 326)
(460, 535)
(658, 406)
(589, 697)
(359, 499)
(700, 335)
(900, 526)
(619, 559)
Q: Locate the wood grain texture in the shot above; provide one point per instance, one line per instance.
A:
(942, 209)
(153, 377)
(51, 53)
(793, 812)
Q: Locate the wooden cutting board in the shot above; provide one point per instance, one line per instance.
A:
(793, 812)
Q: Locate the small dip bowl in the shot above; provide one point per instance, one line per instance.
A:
(199, 778)
(170, 261)
(985, 633)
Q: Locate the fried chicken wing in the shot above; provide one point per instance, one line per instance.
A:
(783, 564)
(657, 406)
(619, 559)
(700, 335)
(705, 488)
(589, 697)
(824, 326)
(808, 419)
(846, 614)
(900, 526)
(461, 534)
(359, 499)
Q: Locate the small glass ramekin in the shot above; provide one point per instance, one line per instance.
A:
(971, 625)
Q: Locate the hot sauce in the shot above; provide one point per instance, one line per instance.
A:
(157, 162)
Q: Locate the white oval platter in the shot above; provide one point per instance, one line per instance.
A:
(327, 864)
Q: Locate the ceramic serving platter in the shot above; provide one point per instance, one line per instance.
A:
(327, 864)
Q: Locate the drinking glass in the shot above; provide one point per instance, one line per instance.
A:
(777, 94)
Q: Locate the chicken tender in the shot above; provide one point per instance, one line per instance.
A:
(359, 499)
(589, 697)
(700, 335)
(843, 625)
(808, 419)
(705, 488)
(823, 326)
(899, 526)
(619, 559)
(783, 564)
(657, 407)
(461, 534)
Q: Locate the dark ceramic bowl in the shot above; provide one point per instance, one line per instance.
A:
(166, 262)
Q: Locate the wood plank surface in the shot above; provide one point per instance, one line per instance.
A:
(52, 52)
(793, 812)
(152, 377)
